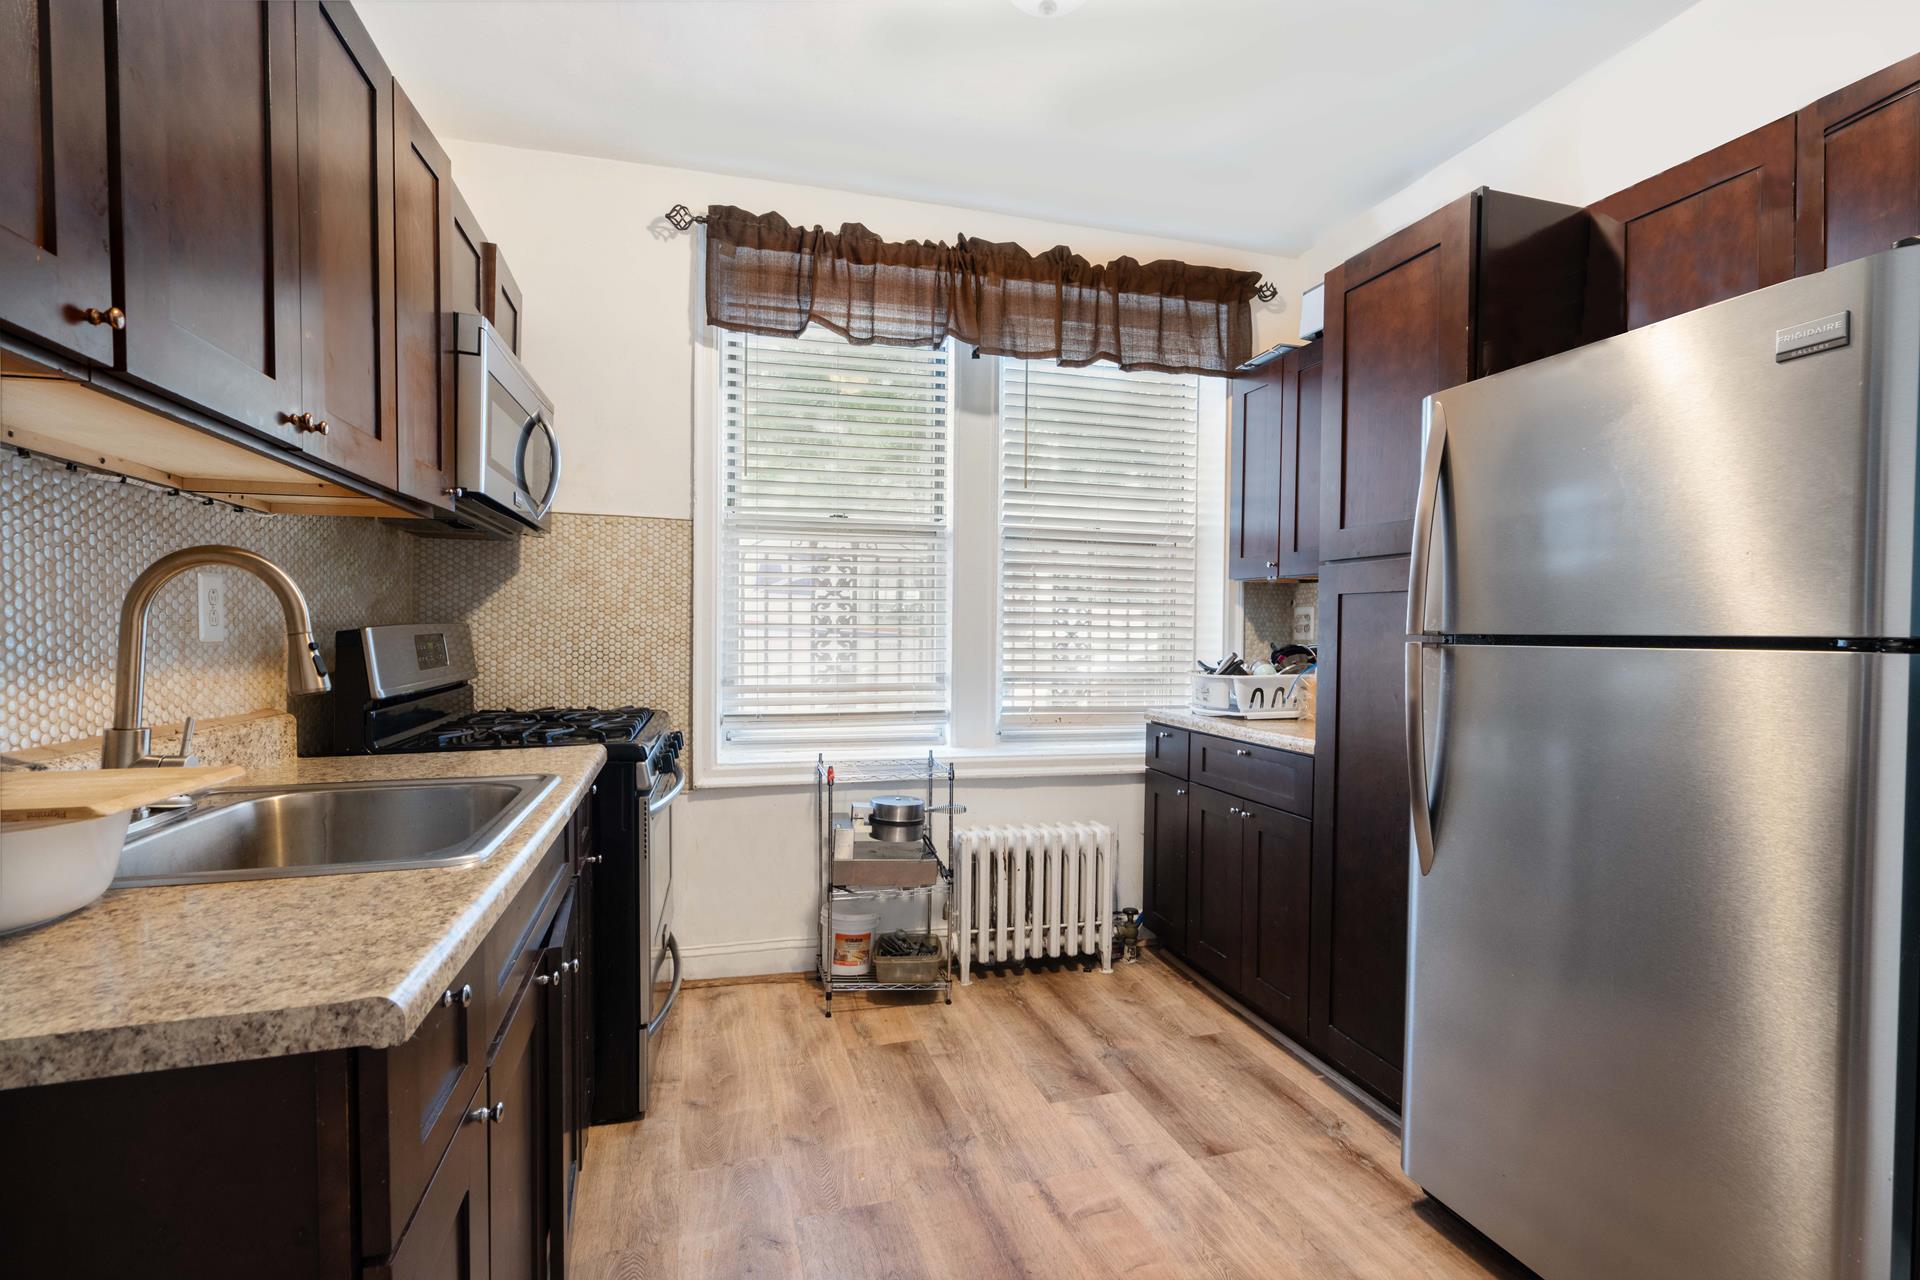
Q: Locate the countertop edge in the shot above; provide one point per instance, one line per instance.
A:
(1296, 736)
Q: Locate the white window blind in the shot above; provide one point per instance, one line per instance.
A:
(1099, 475)
(836, 525)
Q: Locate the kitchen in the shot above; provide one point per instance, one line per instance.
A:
(505, 953)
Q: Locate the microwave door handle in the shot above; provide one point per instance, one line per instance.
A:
(1419, 799)
(553, 485)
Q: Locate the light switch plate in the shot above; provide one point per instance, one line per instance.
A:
(213, 605)
(1305, 620)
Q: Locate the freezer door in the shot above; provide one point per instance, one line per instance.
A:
(1653, 997)
(1680, 481)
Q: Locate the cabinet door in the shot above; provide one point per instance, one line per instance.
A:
(466, 269)
(423, 247)
(1715, 227)
(1360, 836)
(1215, 879)
(346, 243)
(1397, 331)
(55, 261)
(1166, 860)
(501, 294)
(1254, 483)
(1859, 168)
(1278, 850)
(447, 1239)
(1300, 409)
(209, 221)
(516, 1156)
(560, 1140)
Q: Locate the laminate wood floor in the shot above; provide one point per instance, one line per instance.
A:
(1056, 1124)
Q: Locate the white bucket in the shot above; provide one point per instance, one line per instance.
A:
(851, 946)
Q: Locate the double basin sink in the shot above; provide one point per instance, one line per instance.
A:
(256, 833)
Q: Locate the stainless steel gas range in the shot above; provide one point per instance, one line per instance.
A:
(409, 688)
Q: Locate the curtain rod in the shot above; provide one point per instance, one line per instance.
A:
(683, 219)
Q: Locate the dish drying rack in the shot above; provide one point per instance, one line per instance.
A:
(873, 777)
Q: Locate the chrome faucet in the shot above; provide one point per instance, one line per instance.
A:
(129, 743)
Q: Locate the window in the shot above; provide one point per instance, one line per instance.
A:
(1099, 474)
(902, 549)
(836, 520)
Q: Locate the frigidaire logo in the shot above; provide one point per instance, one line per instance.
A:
(1813, 337)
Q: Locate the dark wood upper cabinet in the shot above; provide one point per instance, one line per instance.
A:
(1165, 859)
(469, 253)
(1300, 413)
(1360, 850)
(1715, 227)
(1489, 282)
(209, 222)
(1277, 856)
(502, 295)
(346, 242)
(1215, 880)
(1859, 168)
(56, 261)
(1253, 498)
(423, 270)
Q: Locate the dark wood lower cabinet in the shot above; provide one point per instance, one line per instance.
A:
(1165, 858)
(448, 1239)
(517, 1089)
(1216, 877)
(1276, 853)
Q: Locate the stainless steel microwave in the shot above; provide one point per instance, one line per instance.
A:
(508, 468)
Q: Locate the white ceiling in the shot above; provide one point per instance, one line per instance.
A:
(1256, 124)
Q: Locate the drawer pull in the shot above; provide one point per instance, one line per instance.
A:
(464, 997)
(593, 859)
(1242, 751)
(1179, 791)
(112, 317)
(480, 1115)
(1164, 733)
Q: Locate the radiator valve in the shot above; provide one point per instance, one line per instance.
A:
(1126, 933)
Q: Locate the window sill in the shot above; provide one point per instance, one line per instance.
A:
(974, 764)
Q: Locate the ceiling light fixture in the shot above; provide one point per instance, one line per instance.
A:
(1047, 8)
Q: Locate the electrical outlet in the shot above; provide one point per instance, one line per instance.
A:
(213, 605)
(1305, 619)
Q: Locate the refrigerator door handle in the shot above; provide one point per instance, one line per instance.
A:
(1435, 415)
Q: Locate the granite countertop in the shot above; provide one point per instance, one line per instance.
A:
(186, 975)
(1287, 735)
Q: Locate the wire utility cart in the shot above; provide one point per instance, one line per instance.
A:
(847, 882)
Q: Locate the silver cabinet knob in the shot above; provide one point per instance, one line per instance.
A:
(1164, 733)
(1241, 751)
(542, 979)
(499, 1112)
(1179, 791)
(594, 790)
(466, 995)
(593, 859)
(479, 1115)
(573, 966)
(112, 317)
(463, 997)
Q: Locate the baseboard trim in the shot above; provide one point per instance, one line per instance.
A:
(750, 957)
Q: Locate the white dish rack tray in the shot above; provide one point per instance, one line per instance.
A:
(1251, 697)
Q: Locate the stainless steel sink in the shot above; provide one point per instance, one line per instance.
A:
(252, 833)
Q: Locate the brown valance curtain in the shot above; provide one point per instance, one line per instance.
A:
(765, 275)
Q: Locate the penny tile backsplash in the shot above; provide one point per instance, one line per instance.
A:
(599, 611)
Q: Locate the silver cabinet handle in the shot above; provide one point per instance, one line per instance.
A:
(1242, 751)
(543, 979)
(466, 995)
(463, 997)
(573, 966)
(1164, 733)
(593, 859)
(1428, 498)
(479, 1115)
(1179, 791)
(499, 1112)
(594, 790)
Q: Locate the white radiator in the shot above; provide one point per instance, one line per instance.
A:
(1037, 891)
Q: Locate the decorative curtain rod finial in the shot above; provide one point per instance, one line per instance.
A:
(1267, 291)
(683, 218)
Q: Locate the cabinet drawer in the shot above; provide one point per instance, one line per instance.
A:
(412, 1100)
(1263, 774)
(1167, 749)
(512, 947)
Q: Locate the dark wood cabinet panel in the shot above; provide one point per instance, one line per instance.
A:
(466, 271)
(1718, 226)
(517, 1091)
(1859, 168)
(423, 260)
(1215, 880)
(565, 1122)
(1278, 854)
(55, 235)
(501, 295)
(1283, 779)
(1165, 860)
(346, 242)
(209, 222)
(1167, 749)
(1397, 331)
(1360, 859)
(1300, 411)
(1253, 498)
(449, 1236)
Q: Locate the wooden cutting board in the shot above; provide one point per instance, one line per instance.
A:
(54, 795)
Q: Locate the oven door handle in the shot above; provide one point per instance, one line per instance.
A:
(673, 992)
(656, 803)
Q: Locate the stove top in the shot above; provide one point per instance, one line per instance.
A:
(540, 727)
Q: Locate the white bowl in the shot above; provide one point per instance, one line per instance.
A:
(51, 869)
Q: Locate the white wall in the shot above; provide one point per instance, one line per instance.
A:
(1720, 69)
(610, 295)
(610, 334)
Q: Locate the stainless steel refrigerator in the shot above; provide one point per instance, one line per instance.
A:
(1661, 721)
